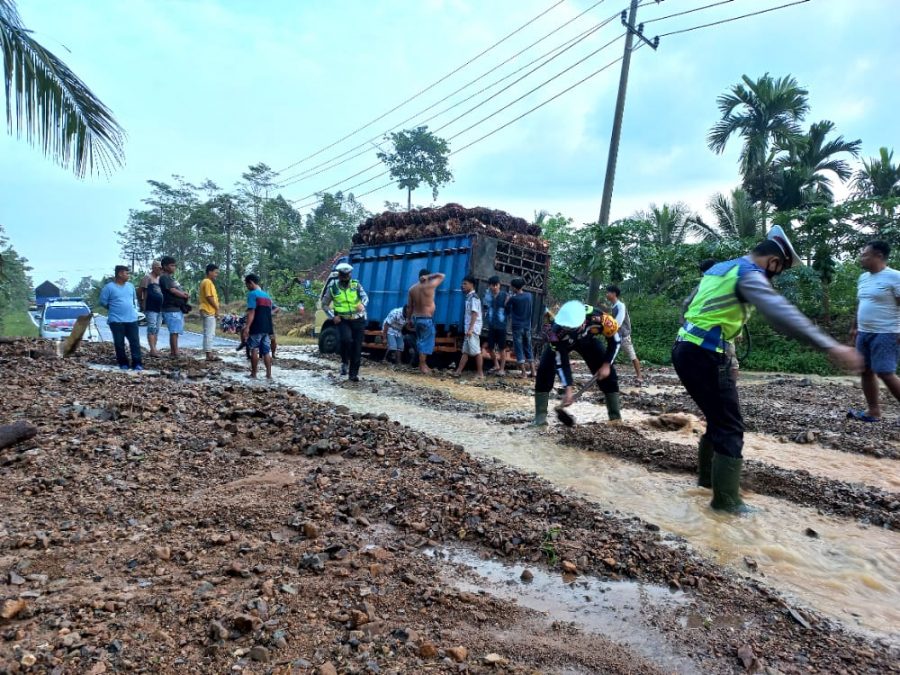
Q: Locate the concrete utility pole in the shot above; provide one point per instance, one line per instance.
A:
(603, 221)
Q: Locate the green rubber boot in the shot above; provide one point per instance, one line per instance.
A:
(614, 406)
(541, 403)
(726, 484)
(704, 463)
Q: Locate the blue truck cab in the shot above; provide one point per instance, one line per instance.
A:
(386, 271)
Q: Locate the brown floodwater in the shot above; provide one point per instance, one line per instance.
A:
(850, 572)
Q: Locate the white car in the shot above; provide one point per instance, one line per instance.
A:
(59, 317)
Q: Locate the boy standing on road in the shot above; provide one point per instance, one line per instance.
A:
(120, 299)
(620, 313)
(392, 331)
(473, 324)
(876, 327)
(520, 309)
(420, 300)
(495, 316)
(150, 297)
(173, 304)
(258, 326)
(209, 310)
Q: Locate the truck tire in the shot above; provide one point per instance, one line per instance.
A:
(329, 341)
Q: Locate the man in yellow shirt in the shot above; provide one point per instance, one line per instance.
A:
(209, 309)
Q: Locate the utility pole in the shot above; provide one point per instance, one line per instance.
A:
(228, 225)
(603, 221)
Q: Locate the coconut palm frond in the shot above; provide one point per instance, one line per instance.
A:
(48, 105)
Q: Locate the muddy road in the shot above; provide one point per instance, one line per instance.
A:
(189, 520)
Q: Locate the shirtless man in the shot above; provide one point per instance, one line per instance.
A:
(420, 301)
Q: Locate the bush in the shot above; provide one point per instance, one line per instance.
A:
(655, 324)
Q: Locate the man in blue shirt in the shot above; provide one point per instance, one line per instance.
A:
(520, 307)
(258, 326)
(120, 299)
(494, 305)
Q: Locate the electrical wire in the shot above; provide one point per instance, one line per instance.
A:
(428, 88)
(561, 49)
(545, 102)
(688, 11)
(483, 119)
(303, 175)
(734, 18)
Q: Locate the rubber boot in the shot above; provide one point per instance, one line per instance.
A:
(704, 463)
(541, 403)
(614, 406)
(726, 484)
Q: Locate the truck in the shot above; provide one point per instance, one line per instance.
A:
(386, 271)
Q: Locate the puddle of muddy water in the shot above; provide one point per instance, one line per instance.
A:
(850, 572)
(616, 610)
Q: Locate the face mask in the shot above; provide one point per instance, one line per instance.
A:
(772, 273)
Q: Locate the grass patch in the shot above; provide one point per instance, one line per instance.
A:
(17, 323)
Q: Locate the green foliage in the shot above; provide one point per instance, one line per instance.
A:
(548, 546)
(247, 229)
(15, 284)
(418, 157)
(51, 107)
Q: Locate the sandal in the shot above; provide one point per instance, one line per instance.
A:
(861, 416)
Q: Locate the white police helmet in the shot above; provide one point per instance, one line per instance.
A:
(343, 268)
(571, 315)
(791, 258)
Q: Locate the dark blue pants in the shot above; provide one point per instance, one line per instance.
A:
(352, 332)
(121, 331)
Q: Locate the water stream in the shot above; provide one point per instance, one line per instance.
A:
(849, 572)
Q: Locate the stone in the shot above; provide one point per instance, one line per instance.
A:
(427, 650)
(245, 623)
(568, 567)
(611, 562)
(259, 653)
(358, 618)
(310, 530)
(217, 631)
(809, 532)
(327, 669)
(751, 563)
(162, 552)
(494, 659)
(458, 654)
(748, 658)
(15, 579)
(28, 660)
(527, 575)
(11, 609)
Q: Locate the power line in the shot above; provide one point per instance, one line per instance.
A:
(302, 175)
(735, 18)
(542, 104)
(561, 49)
(688, 11)
(428, 88)
(483, 119)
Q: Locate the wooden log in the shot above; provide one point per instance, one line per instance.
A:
(10, 434)
(74, 339)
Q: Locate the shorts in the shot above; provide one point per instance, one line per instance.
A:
(260, 342)
(471, 345)
(154, 321)
(522, 344)
(496, 338)
(627, 348)
(424, 334)
(209, 331)
(879, 350)
(395, 342)
(174, 322)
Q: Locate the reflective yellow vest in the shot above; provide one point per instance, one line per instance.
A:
(345, 300)
(716, 315)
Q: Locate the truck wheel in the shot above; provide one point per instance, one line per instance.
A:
(329, 341)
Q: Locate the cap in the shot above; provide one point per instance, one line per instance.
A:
(777, 234)
(343, 268)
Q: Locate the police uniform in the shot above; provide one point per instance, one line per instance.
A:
(344, 304)
(597, 343)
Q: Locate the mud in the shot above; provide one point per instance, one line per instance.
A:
(207, 526)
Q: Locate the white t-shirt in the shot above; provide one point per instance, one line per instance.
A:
(878, 295)
(473, 304)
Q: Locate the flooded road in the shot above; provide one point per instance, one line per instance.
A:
(849, 572)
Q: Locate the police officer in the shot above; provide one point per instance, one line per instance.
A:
(345, 302)
(592, 333)
(702, 354)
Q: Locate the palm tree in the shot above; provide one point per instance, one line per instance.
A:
(48, 105)
(805, 168)
(765, 113)
(879, 177)
(673, 224)
(736, 217)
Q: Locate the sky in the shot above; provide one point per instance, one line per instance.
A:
(206, 88)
